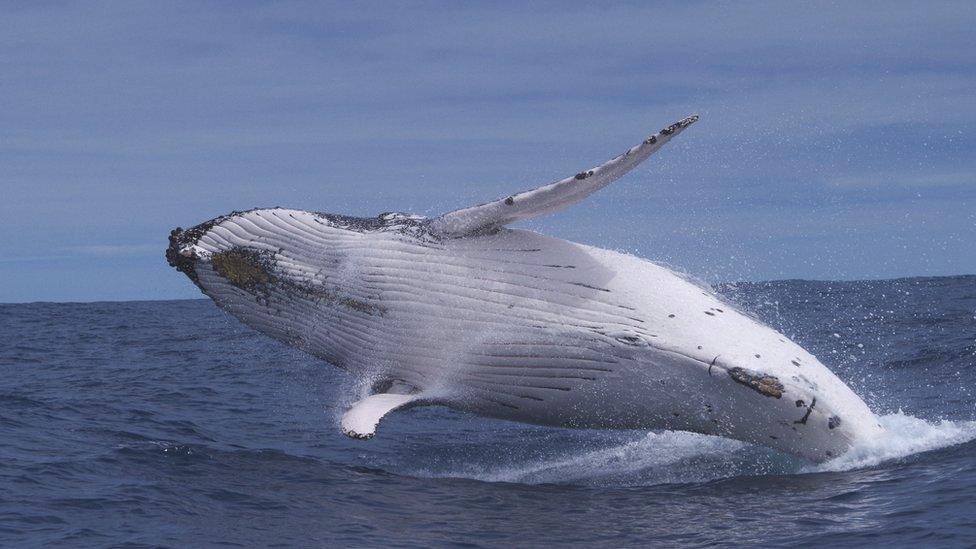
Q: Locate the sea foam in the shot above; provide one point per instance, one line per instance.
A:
(904, 436)
(671, 457)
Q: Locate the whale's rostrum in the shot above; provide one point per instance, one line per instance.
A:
(462, 311)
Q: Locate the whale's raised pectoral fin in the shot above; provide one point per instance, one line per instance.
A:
(361, 420)
(554, 196)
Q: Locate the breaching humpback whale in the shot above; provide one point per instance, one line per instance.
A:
(462, 311)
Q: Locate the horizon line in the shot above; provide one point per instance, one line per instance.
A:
(778, 280)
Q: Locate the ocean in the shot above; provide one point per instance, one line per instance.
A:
(168, 423)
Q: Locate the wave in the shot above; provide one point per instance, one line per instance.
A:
(679, 457)
(904, 436)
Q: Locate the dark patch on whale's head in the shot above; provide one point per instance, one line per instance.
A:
(244, 269)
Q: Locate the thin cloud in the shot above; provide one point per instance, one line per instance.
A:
(115, 250)
(905, 180)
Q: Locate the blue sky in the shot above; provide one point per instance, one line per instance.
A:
(837, 140)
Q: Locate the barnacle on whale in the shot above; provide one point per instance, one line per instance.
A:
(764, 384)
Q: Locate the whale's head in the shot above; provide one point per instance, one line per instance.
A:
(758, 387)
(708, 367)
(805, 410)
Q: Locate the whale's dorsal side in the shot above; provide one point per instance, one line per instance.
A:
(554, 196)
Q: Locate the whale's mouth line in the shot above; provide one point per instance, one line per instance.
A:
(707, 365)
(763, 383)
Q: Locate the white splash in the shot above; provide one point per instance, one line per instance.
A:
(659, 453)
(679, 457)
(904, 436)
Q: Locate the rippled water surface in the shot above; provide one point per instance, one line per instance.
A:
(170, 423)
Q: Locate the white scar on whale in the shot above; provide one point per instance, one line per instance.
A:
(461, 311)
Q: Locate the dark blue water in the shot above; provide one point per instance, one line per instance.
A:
(169, 423)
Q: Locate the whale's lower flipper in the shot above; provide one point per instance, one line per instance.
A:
(554, 196)
(361, 420)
